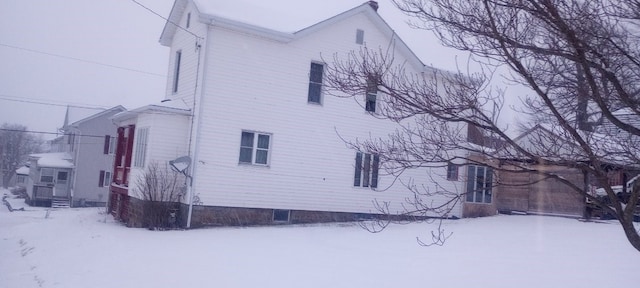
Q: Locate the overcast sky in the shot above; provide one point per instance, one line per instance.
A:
(117, 33)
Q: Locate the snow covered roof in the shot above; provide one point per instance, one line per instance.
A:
(299, 19)
(53, 160)
(75, 114)
(24, 170)
(168, 107)
(298, 15)
(552, 143)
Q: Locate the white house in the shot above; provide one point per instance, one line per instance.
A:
(246, 104)
(77, 172)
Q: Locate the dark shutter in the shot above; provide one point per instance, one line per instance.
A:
(374, 171)
(101, 180)
(366, 169)
(356, 178)
(107, 139)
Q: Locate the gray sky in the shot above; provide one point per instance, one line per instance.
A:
(116, 33)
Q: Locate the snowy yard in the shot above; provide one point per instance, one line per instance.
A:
(75, 248)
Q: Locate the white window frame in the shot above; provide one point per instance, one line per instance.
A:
(475, 194)
(112, 145)
(255, 148)
(142, 140)
(311, 82)
(107, 179)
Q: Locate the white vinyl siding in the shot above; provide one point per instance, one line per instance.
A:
(310, 166)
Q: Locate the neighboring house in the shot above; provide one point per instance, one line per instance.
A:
(246, 103)
(533, 193)
(85, 156)
(49, 182)
(22, 176)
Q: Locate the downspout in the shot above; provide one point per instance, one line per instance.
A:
(72, 183)
(196, 144)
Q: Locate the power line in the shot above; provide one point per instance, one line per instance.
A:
(50, 133)
(166, 19)
(81, 60)
(37, 101)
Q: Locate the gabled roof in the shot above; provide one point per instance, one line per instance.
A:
(554, 144)
(176, 107)
(77, 115)
(53, 160)
(24, 170)
(279, 24)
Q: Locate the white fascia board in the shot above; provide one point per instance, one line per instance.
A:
(247, 28)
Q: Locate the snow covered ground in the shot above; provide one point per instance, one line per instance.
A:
(75, 248)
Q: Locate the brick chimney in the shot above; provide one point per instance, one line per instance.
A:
(374, 5)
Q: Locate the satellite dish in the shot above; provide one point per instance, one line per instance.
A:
(181, 164)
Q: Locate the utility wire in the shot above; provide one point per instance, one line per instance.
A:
(83, 106)
(166, 19)
(50, 133)
(81, 60)
(36, 101)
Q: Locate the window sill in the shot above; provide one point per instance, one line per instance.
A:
(243, 164)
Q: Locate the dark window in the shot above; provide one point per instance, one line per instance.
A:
(101, 179)
(188, 19)
(246, 147)
(372, 93)
(366, 170)
(46, 175)
(315, 83)
(254, 150)
(359, 36)
(479, 184)
(107, 143)
(281, 215)
(176, 71)
(452, 172)
(62, 177)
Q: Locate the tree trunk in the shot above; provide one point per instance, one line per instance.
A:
(630, 232)
(5, 180)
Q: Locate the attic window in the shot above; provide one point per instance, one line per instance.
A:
(188, 19)
(359, 36)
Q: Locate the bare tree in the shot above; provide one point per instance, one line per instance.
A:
(161, 189)
(15, 145)
(579, 59)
